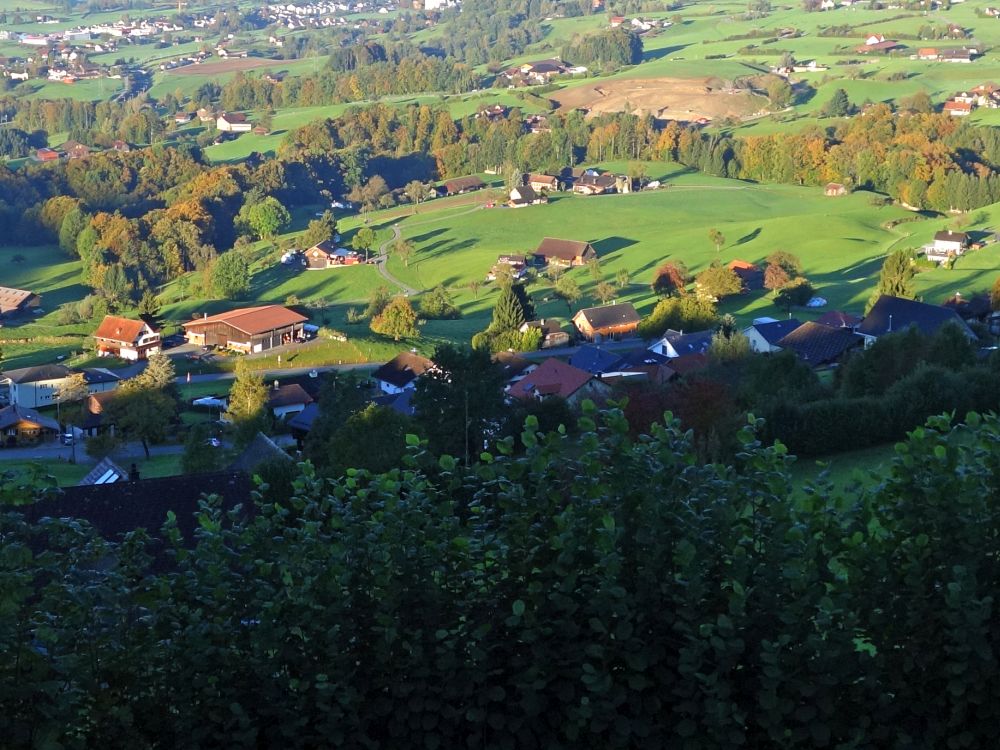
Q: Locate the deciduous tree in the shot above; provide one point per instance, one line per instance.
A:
(397, 320)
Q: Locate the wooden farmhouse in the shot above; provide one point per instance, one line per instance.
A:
(609, 321)
(249, 329)
(564, 252)
(126, 338)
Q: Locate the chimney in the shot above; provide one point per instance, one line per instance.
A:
(133, 473)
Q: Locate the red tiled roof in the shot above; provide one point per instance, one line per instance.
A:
(552, 378)
(119, 329)
(253, 320)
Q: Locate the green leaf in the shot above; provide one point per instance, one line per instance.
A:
(518, 608)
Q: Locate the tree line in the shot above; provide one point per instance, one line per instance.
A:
(598, 587)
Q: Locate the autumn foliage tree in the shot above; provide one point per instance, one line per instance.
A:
(397, 320)
(670, 278)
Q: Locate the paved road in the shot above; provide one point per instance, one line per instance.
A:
(382, 259)
(54, 451)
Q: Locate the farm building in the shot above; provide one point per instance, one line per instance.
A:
(463, 185)
(553, 334)
(749, 275)
(895, 314)
(589, 184)
(609, 321)
(249, 329)
(957, 109)
(233, 122)
(564, 252)
(327, 255)
(834, 190)
(17, 301)
(46, 154)
(125, 338)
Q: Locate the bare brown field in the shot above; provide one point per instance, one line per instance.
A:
(663, 98)
(224, 66)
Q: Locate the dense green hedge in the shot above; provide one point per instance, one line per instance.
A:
(594, 592)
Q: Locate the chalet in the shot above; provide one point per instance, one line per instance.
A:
(535, 73)
(556, 379)
(463, 185)
(287, 399)
(947, 245)
(564, 252)
(750, 275)
(401, 372)
(895, 314)
(609, 321)
(17, 301)
(525, 196)
(126, 338)
(818, 345)
(260, 130)
(957, 109)
(589, 184)
(183, 118)
(543, 183)
(537, 124)
(553, 335)
(676, 344)
(513, 366)
(46, 154)
(326, 254)
(248, 329)
(19, 426)
(205, 115)
(928, 53)
(34, 387)
(76, 150)
(492, 114)
(765, 333)
(834, 190)
(963, 55)
(233, 122)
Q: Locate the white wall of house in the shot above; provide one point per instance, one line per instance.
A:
(758, 343)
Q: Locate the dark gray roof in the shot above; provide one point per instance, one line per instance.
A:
(610, 315)
(774, 332)
(304, 419)
(261, 450)
(398, 402)
(893, 314)
(36, 374)
(949, 236)
(817, 344)
(13, 414)
(595, 360)
(695, 342)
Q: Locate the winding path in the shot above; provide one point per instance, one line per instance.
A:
(383, 258)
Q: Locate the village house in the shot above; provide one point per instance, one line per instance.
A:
(22, 426)
(819, 345)
(525, 196)
(834, 190)
(326, 254)
(564, 252)
(947, 245)
(675, 344)
(962, 55)
(288, 399)
(34, 387)
(838, 319)
(556, 379)
(877, 43)
(183, 118)
(461, 185)
(93, 421)
(957, 109)
(765, 333)
(233, 122)
(543, 183)
(126, 338)
(248, 329)
(895, 314)
(205, 115)
(401, 372)
(609, 321)
(492, 114)
(513, 366)
(17, 301)
(535, 73)
(46, 154)
(553, 335)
